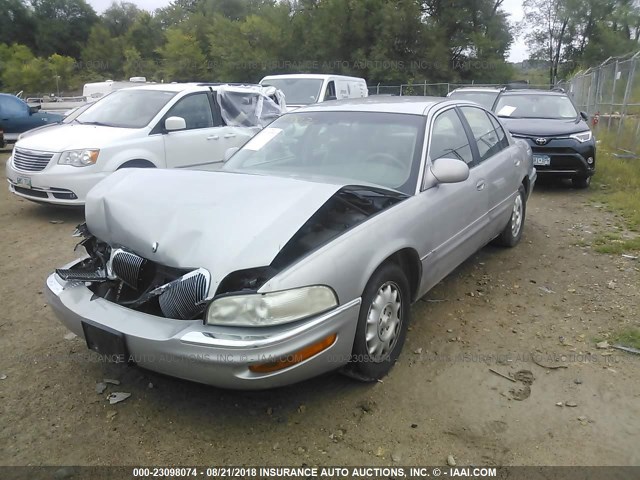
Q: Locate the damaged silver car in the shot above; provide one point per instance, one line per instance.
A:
(304, 253)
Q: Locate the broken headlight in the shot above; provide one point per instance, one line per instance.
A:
(268, 309)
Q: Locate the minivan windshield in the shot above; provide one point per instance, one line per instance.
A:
(297, 91)
(532, 105)
(129, 108)
(351, 148)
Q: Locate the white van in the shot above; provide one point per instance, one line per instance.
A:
(305, 89)
(176, 125)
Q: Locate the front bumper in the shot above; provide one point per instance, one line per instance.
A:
(569, 158)
(56, 184)
(218, 356)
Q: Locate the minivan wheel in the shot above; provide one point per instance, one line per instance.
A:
(581, 182)
(382, 324)
(512, 232)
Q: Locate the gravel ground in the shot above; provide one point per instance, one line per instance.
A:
(542, 304)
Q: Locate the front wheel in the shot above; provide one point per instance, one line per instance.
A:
(512, 233)
(581, 182)
(382, 324)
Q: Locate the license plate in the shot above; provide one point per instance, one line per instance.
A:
(24, 182)
(541, 160)
(106, 341)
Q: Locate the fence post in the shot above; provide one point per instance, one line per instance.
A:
(627, 92)
(613, 95)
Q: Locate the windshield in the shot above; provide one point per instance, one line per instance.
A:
(297, 91)
(130, 108)
(485, 99)
(535, 106)
(354, 148)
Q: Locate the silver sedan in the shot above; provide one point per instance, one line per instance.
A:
(304, 253)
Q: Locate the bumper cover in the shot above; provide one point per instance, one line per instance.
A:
(568, 157)
(218, 356)
(56, 184)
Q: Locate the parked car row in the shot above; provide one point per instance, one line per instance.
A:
(559, 135)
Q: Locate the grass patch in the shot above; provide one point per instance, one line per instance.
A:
(627, 338)
(617, 185)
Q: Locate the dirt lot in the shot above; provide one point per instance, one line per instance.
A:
(546, 301)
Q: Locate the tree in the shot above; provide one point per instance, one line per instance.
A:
(182, 58)
(102, 55)
(16, 23)
(119, 17)
(62, 26)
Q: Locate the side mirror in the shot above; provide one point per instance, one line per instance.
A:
(230, 152)
(450, 170)
(584, 116)
(172, 124)
(34, 109)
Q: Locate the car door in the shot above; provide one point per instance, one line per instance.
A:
(14, 116)
(200, 144)
(454, 214)
(497, 163)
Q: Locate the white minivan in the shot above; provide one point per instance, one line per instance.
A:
(150, 126)
(305, 89)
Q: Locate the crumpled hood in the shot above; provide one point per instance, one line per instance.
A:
(70, 136)
(216, 220)
(544, 127)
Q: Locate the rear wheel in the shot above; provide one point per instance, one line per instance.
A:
(512, 233)
(382, 324)
(581, 182)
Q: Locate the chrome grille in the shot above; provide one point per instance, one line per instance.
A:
(127, 266)
(183, 297)
(30, 160)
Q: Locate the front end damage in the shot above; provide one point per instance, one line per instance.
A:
(124, 278)
(137, 301)
(121, 276)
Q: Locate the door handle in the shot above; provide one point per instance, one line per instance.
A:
(230, 135)
(480, 185)
(213, 137)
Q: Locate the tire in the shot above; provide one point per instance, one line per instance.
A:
(512, 232)
(581, 182)
(373, 360)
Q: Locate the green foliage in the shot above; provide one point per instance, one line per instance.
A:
(62, 26)
(386, 41)
(182, 58)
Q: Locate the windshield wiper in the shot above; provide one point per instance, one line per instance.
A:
(99, 124)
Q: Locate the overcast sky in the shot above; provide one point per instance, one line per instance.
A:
(513, 7)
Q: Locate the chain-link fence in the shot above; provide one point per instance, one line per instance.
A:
(610, 94)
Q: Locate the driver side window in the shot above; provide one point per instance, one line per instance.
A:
(449, 139)
(195, 109)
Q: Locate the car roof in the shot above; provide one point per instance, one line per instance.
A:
(477, 89)
(182, 87)
(313, 76)
(534, 91)
(405, 104)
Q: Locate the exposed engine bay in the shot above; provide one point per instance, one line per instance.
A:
(122, 277)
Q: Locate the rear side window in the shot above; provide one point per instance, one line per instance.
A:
(449, 139)
(13, 107)
(502, 136)
(484, 132)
